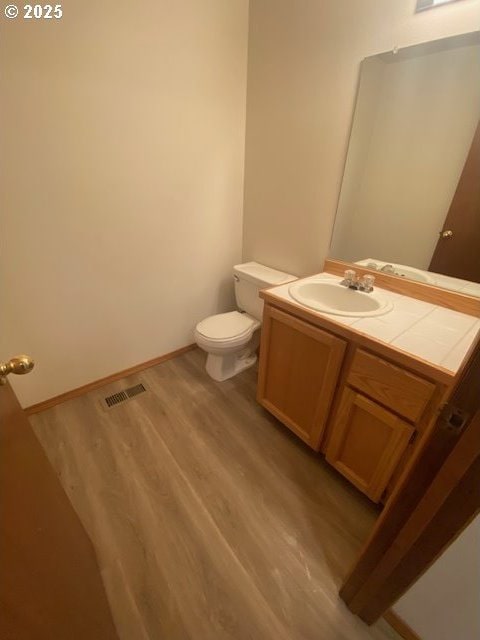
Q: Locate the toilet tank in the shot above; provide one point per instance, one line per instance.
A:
(249, 279)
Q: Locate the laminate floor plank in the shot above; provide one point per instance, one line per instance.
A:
(209, 518)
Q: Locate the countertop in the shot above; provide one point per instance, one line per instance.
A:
(435, 334)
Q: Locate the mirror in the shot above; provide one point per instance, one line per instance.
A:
(410, 198)
(431, 4)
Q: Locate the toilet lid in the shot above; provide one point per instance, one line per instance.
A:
(226, 325)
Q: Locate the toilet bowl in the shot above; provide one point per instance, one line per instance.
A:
(228, 340)
(232, 339)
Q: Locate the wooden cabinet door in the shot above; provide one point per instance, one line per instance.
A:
(299, 367)
(366, 443)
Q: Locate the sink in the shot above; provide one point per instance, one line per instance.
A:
(413, 274)
(401, 270)
(330, 297)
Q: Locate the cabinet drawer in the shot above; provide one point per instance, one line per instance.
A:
(395, 388)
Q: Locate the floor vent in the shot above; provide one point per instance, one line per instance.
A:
(134, 391)
(121, 396)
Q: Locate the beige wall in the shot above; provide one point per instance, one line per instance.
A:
(406, 154)
(304, 60)
(122, 182)
(444, 603)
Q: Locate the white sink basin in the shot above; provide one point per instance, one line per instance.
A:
(413, 274)
(402, 270)
(332, 297)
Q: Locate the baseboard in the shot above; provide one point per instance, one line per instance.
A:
(401, 627)
(80, 391)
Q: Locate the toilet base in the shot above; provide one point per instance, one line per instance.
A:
(226, 366)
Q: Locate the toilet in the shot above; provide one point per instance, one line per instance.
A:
(231, 339)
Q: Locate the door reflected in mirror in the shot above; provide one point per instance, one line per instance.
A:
(410, 198)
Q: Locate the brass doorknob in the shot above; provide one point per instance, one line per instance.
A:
(20, 365)
(448, 233)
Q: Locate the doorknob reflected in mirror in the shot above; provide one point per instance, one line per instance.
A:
(448, 233)
(20, 365)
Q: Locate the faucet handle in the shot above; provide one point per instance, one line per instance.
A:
(350, 276)
(388, 268)
(367, 282)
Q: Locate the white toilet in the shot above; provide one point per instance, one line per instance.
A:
(231, 339)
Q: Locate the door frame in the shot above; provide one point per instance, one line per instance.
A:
(436, 498)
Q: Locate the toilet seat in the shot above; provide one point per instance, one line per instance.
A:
(229, 329)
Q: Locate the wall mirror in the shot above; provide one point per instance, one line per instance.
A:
(410, 198)
(431, 4)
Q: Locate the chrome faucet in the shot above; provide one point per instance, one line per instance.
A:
(352, 281)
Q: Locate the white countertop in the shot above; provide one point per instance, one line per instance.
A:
(435, 334)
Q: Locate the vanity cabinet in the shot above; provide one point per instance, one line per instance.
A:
(367, 443)
(299, 368)
(361, 410)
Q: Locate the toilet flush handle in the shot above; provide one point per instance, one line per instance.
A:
(236, 278)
